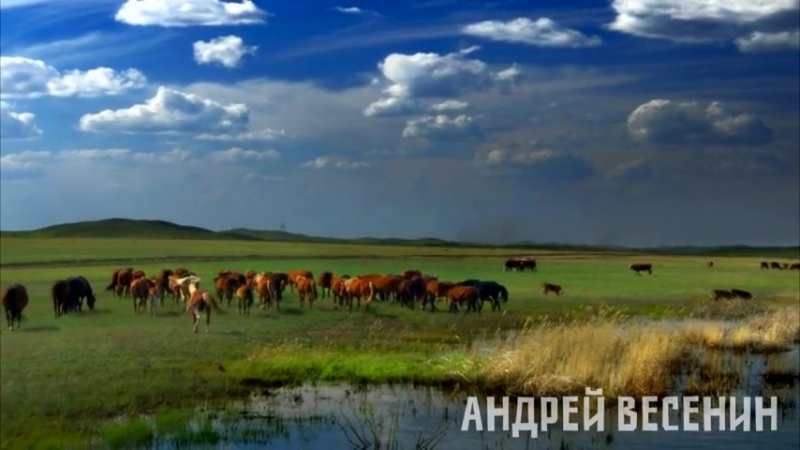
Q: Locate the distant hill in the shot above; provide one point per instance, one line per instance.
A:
(159, 229)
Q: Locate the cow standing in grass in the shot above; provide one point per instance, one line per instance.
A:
(15, 299)
(641, 267)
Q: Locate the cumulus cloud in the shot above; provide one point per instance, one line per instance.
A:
(536, 164)
(333, 162)
(662, 121)
(698, 21)
(354, 10)
(267, 134)
(185, 13)
(236, 154)
(31, 78)
(17, 125)
(636, 170)
(23, 165)
(762, 42)
(171, 111)
(226, 51)
(411, 78)
(449, 105)
(441, 127)
(542, 32)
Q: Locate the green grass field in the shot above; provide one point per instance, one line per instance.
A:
(64, 376)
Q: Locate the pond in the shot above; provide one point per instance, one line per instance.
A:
(404, 417)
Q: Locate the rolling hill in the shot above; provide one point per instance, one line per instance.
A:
(159, 229)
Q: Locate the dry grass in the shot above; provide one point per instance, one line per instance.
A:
(629, 358)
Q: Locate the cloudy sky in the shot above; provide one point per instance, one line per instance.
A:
(624, 122)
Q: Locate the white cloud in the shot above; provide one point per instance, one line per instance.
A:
(17, 125)
(267, 134)
(124, 154)
(441, 127)
(354, 10)
(662, 121)
(542, 32)
(236, 154)
(449, 105)
(24, 161)
(699, 21)
(430, 75)
(761, 42)
(171, 111)
(333, 162)
(536, 164)
(184, 13)
(226, 51)
(31, 78)
(110, 153)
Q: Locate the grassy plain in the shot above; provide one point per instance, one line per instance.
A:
(62, 376)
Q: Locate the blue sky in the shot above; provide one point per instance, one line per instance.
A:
(638, 122)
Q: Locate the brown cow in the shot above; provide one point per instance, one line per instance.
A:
(387, 286)
(249, 277)
(411, 273)
(795, 266)
(742, 294)
(226, 282)
(338, 290)
(718, 294)
(200, 301)
(120, 282)
(264, 292)
(15, 299)
(775, 265)
(436, 289)
(764, 265)
(463, 295)
(244, 295)
(358, 288)
(324, 280)
(306, 288)
(554, 288)
(641, 267)
(140, 291)
(294, 275)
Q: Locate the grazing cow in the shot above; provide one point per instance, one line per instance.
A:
(15, 299)
(511, 264)
(306, 288)
(200, 301)
(739, 293)
(492, 291)
(244, 295)
(295, 274)
(710, 264)
(641, 267)
(554, 288)
(121, 282)
(385, 286)
(324, 281)
(463, 295)
(338, 289)
(68, 295)
(162, 283)
(411, 290)
(264, 292)
(141, 289)
(358, 288)
(435, 290)
(226, 282)
(764, 265)
(795, 266)
(775, 265)
(721, 294)
(411, 273)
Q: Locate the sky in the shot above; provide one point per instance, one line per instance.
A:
(609, 122)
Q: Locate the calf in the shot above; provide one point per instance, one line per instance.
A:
(550, 287)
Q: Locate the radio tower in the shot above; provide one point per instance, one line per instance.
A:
(283, 228)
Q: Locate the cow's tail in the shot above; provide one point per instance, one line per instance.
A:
(113, 283)
(212, 302)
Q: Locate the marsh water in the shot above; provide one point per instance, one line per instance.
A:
(404, 417)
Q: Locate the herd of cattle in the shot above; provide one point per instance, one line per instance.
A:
(409, 288)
